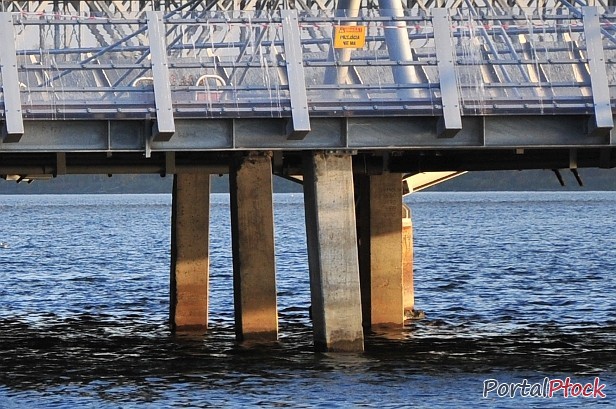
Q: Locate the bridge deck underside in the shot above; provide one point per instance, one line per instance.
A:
(118, 79)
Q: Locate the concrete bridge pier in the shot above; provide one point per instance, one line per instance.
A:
(254, 265)
(332, 252)
(190, 216)
(381, 249)
(349, 278)
(408, 283)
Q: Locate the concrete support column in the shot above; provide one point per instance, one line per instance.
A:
(407, 265)
(190, 251)
(332, 252)
(254, 264)
(381, 262)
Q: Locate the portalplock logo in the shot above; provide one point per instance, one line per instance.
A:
(548, 388)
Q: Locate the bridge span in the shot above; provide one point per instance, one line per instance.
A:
(347, 97)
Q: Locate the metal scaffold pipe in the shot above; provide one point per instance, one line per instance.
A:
(398, 45)
(340, 75)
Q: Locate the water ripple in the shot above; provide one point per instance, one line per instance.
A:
(513, 285)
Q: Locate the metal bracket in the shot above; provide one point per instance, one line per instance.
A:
(60, 164)
(602, 122)
(299, 125)
(164, 128)
(451, 122)
(147, 137)
(13, 128)
(169, 163)
(573, 158)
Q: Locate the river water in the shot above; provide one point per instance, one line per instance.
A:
(514, 285)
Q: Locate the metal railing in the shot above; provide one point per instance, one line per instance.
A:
(279, 63)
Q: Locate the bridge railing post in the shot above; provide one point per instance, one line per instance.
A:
(451, 122)
(299, 125)
(13, 121)
(164, 128)
(602, 122)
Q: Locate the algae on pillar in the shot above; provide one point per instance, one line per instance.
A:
(332, 252)
(190, 251)
(254, 264)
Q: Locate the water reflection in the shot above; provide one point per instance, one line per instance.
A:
(90, 348)
(87, 325)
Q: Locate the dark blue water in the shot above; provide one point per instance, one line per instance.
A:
(515, 286)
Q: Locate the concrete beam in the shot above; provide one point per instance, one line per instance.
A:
(425, 180)
(254, 264)
(389, 133)
(332, 252)
(381, 262)
(190, 252)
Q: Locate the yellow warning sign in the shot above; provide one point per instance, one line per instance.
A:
(349, 36)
